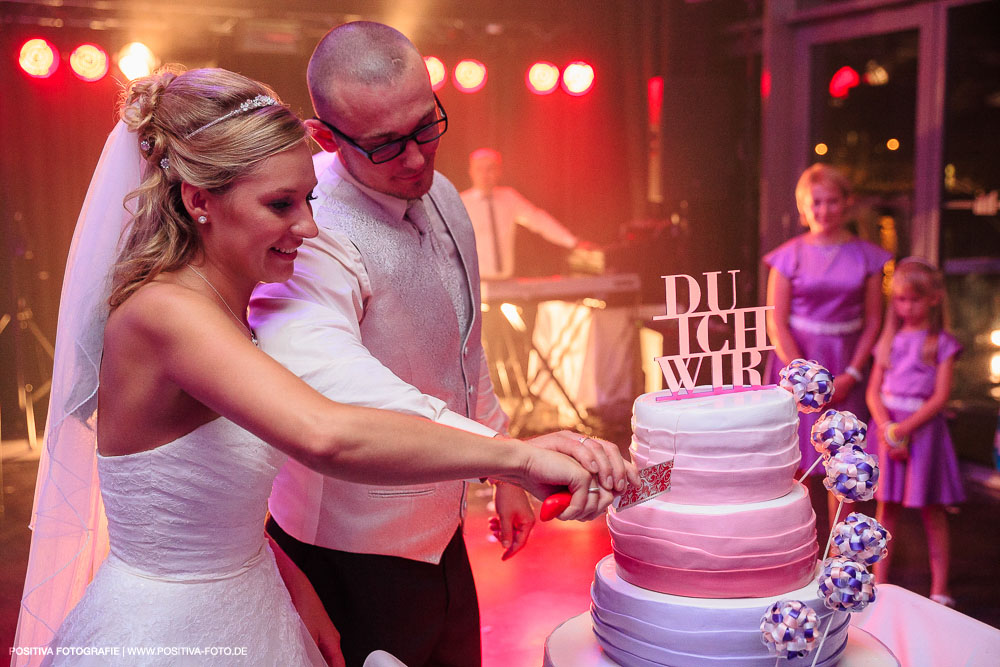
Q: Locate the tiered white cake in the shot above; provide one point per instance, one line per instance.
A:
(694, 569)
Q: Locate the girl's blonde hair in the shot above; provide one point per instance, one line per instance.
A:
(927, 281)
(819, 174)
(163, 110)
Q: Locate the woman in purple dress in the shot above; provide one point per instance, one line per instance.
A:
(910, 383)
(825, 286)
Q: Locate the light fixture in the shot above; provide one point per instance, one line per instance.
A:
(437, 72)
(470, 76)
(578, 78)
(542, 78)
(89, 62)
(38, 58)
(135, 60)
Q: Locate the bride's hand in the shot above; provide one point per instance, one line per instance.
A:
(309, 607)
(546, 472)
(600, 457)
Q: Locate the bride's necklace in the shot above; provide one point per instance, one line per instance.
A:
(253, 336)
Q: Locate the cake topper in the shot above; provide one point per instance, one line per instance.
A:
(738, 357)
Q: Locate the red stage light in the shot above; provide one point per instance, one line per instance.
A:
(654, 100)
(437, 72)
(38, 58)
(542, 78)
(89, 62)
(843, 80)
(470, 76)
(136, 59)
(765, 84)
(578, 78)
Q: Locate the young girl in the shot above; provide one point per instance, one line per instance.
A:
(825, 286)
(910, 383)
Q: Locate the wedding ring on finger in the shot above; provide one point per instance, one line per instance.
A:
(594, 489)
(583, 438)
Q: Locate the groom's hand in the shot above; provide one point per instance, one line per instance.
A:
(514, 519)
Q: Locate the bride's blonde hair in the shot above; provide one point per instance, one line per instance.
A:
(172, 114)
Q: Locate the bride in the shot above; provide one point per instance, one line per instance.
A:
(159, 388)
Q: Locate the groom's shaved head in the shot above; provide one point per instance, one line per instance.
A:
(363, 52)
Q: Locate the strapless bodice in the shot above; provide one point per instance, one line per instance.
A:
(193, 508)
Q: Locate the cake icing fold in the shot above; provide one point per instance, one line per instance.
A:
(638, 627)
(727, 448)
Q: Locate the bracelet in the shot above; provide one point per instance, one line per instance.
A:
(892, 439)
(854, 373)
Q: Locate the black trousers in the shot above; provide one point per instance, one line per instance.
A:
(424, 614)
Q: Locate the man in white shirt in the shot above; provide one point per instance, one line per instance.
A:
(496, 211)
(383, 310)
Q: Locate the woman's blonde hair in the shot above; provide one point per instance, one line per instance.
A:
(163, 110)
(819, 174)
(927, 281)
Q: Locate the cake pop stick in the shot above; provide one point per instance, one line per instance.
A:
(829, 540)
(845, 585)
(811, 468)
(822, 639)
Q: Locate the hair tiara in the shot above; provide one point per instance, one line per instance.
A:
(248, 105)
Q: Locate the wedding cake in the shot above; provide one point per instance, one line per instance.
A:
(715, 554)
(694, 569)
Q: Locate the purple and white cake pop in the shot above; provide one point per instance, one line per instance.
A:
(789, 629)
(846, 585)
(809, 383)
(860, 538)
(851, 475)
(836, 429)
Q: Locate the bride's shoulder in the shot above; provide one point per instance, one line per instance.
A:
(155, 312)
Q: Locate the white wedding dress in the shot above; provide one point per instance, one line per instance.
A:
(190, 579)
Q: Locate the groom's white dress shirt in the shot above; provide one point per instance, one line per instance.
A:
(344, 320)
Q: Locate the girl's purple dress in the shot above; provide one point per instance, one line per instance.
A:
(930, 476)
(826, 316)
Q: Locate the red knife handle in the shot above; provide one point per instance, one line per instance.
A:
(554, 505)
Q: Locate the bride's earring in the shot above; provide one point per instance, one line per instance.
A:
(202, 219)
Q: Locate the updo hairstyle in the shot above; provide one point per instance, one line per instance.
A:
(163, 110)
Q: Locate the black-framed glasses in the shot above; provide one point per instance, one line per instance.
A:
(393, 149)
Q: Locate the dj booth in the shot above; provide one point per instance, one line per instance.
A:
(565, 342)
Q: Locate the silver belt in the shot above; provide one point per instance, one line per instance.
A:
(825, 328)
(904, 403)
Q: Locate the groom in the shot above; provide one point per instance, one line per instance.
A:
(384, 311)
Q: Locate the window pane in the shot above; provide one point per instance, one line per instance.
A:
(863, 120)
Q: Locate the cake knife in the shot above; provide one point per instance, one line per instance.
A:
(653, 480)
